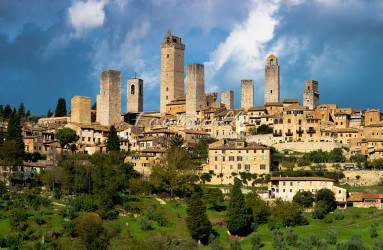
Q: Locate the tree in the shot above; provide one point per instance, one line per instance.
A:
(289, 213)
(238, 215)
(92, 232)
(94, 106)
(256, 241)
(113, 143)
(2, 137)
(320, 209)
(373, 230)
(378, 244)
(176, 141)
(28, 113)
(21, 110)
(355, 242)
(264, 129)
(291, 237)
(258, 206)
(305, 198)
(13, 148)
(331, 237)
(66, 136)
(212, 197)
(7, 112)
(279, 242)
(328, 197)
(60, 108)
(197, 221)
(200, 150)
(49, 113)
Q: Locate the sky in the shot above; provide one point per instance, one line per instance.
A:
(53, 49)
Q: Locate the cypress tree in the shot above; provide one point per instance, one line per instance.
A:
(60, 108)
(113, 143)
(21, 111)
(1, 111)
(13, 148)
(2, 137)
(197, 221)
(49, 113)
(7, 111)
(238, 216)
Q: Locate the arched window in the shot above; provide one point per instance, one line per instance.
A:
(271, 61)
(132, 89)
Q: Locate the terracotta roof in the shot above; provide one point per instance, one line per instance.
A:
(232, 147)
(300, 179)
(360, 197)
(347, 130)
(273, 104)
(95, 127)
(261, 108)
(296, 107)
(165, 131)
(290, 101)
(191, 131)
(147, 138)
(374, 125)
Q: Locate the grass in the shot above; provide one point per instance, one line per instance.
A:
(364, 189)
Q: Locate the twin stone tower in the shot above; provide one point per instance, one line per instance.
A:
(172, 87)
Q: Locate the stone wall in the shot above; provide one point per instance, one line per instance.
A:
(309, 146)
(366, 177)
(195, 89)
(80, 109)
(311, 94)
(110, 97)
(272, 85)
(135, 93)
(247, 93)
(227, 98)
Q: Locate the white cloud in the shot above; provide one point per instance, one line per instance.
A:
(86, 15)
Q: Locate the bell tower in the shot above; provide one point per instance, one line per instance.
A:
(272, 85)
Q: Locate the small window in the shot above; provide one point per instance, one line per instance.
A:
(132, 89)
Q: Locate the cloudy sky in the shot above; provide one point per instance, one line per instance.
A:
(52, 49)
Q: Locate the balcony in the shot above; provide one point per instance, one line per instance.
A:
(311, 131)
(289, 133)
(277, 134)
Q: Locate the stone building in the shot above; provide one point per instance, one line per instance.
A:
(80, 109)
(272, 85)
(172, 70)
(110, 97)
(195, 89)
(247, 93)
(135, 93)
(311, 94)
(98, 100)
(227, 98)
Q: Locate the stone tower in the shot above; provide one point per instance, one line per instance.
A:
(227, 98)
(110, 97)
(80, 109)
(172, 70)
(135, 95)
(98, 100)
(247, 93)
(311, 94)
(272, 85)
(195, 89)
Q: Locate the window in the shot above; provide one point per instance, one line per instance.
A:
(283, 190)
(223, 158)
(239, 166)
(215, 158)
(140, 89)
(291, 190)
(215, 166)
(166, 97)
(289, 121)
(284, 183)
(239, 158)
(132, 89)
(247, 167)
(231, 166)
(231, 158)
(263, 166)
(291, 183)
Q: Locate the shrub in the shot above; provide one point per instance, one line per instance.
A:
(378, 245)
(131, 207)
(305, 243)
(331, 237)
(86, 202)
(328, 218)
(279, 242)
(338, 215)
(305, 198)
(145, 224)
(322, 246)
(355, 242)
(291, 237)
(272, 223)
(373, 231)
(39, 220)
(315, 239)
(256, 241)
(320, 210)
(235, 245)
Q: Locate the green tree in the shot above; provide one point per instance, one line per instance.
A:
(94, 106)
(7, 111)
(256, 241)
(212, 197)
(320, 209)
(328, 197)
(304, 199)
(279, 242)
(331, 237)
(28, 113)
(258, 206)
(49, 113)
(2, 137)
(13, 150)
(197, 221)
(264, 129)
(373, 230)
(113, 143)
(378, 244)
(289, 213)
(200, 150)
(18, 219)
(66, 136)
(92, 232)
(176, 141)
(60, 108)
(238, 215)
(291, 237)
(21, 110)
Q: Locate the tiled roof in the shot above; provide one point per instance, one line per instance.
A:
(300, 179)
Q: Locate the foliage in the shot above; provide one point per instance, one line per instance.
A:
(235, 245)
(331, 237)
(328, 197)
(320, 209)
(145, 224)
(291, 237)
(355, 242)
(65, 136)
(378, 244)
(279, 242)
(92, 232)
(13, 148)
(272, 223)
(373, 230)
(86, 202)
(238, 215)
(157, 215)
(358, 158)
(305, 243)
(18, 219)
(315, 239)
(258, 206)
(49, 113)
(212, 197)
(256, 241)
(289, 213)
(304, 199)
(205, 177)
(176, 141)
(60, 108)
(113, 143)
(201, 150)
(94, 106)
(338, 215)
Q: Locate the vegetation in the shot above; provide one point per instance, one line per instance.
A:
(66, 136)
(113, 143)
(60, 108)
(263, 129)
(197, 221)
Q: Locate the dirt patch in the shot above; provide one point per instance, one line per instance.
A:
(218, 222)
(233, 237)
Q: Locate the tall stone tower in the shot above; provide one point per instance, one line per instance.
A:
(172, 70)
(110, 97)
(80, 109)
(272, 85)
(247, 93)
(311, 94)
(227, 98)
(195, 89)
(135, 95)
(98, 100)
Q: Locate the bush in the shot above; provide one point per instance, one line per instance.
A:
(305, 198)
(235, 245)
(291, 237)
(39, 220)
(157, 215)
(378, 245)
(272, 223)
(338, 215)
(320, 210)
(328, 218)
(373, 230)
(131, 207)
(256, 241)
(355, 242)
(145, 224)
(315, 239)
(305, 243)
(322, 246)
(85, 202)
(279, 242)
(331, 237)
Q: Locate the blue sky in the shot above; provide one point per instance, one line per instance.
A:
(52, 49)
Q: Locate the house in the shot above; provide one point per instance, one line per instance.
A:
(365, 200)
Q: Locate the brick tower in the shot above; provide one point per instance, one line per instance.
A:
(227, 98)
(172, 70)
(247, 93)
(272, 85)
(311, 94)
(195, 89)
(110, 97)
(135, 93)
(80, 109)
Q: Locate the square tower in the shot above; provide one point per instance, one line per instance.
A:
(80, 109)
(172, 70)
(227, 98)
(272, 85)
(135, 95)
(195, 89)
(311, 94)
(98, 100)
(110, 97)
(247, 93)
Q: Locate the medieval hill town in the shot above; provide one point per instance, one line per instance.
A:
(197, 173)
